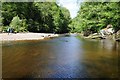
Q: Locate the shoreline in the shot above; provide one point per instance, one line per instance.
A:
(26, 36)
(41, 36)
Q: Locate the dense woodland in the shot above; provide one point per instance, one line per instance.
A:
(48, 17)
(93, 16)
(35, 17)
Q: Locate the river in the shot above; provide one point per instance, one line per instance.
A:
(62, 57)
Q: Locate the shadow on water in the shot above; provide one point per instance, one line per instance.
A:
(62, 57)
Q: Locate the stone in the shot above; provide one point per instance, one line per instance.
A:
(117, 36)
(95, 36)
(118, 40)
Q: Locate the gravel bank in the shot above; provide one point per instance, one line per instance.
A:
(25, 36)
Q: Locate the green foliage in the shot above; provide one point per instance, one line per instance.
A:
(23, 26)
(16, 23)
(36, 17)
(0, 28)
(4, 28)
(94, 16)
(66, 20)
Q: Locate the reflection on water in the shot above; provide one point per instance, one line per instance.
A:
(63, 57)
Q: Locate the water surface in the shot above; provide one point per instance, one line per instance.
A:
(63, 57)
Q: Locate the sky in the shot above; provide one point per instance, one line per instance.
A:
(71, 5)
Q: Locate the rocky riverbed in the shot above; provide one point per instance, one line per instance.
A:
(115, 36)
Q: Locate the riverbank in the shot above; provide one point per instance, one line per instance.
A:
(114, 37)
(26, 36)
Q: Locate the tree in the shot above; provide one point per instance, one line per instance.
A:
(16, 23)
(94, 16)
(37, 16)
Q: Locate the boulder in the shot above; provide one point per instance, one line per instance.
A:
(117, 36)
(95, 36)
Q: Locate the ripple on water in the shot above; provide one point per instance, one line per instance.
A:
(63, 57)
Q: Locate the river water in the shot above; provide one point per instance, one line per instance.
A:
(62, 57)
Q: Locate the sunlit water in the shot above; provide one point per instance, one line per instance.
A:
(63, 57)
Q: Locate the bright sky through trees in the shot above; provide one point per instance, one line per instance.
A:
(71, 5)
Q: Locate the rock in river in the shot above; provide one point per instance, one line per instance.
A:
(95, 36)
(117, 36)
